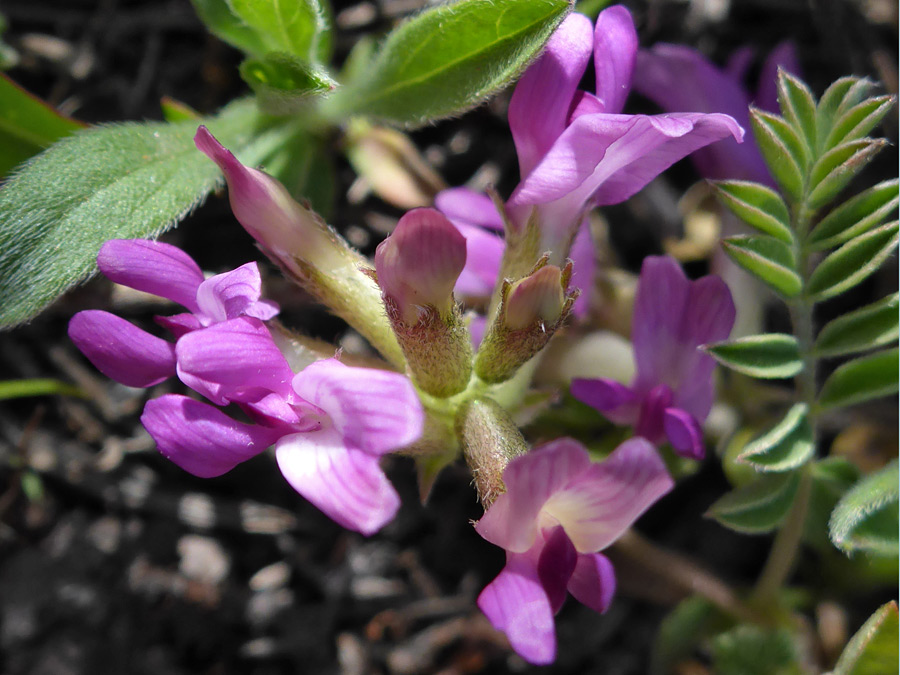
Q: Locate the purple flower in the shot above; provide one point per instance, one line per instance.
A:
(330, 423)
(576, 150)
(558, 511)
(130, 355)
(673, 391)
(674, 76)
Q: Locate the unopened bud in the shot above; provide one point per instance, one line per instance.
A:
(530, 312)
(302, 244)
(490, 439)
(417, 267)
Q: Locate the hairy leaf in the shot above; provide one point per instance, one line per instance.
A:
(27, 125)
(283, 83)
(840, 97)
(836, 168)
(832, 477)
(859, 120)
(767, 258)
(680, 633)
(866, 518)
(758, 507)
(767, 356)
(784, 152)
(862, 379)
(299, 27)
(857, 215)
(228, 26)
(119, 181)
(448, 59)
(872, 326)
(755, 650)
(758, 206)
(873, 649)
(785, 447)
(798, 106)
(852, 263)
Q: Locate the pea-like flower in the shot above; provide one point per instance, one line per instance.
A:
(673, 389)
(559, 510)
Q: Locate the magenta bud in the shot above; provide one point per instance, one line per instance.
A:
(418, 265)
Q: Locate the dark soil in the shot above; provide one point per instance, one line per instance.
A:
(113, 561)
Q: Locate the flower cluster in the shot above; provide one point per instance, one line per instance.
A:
(552, 509)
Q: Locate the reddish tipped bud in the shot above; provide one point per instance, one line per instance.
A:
(418, 265)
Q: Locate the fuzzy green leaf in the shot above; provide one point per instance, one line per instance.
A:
(304, 166)
(852, 263)
(283, 83)
(27, 125)
(758, 206)
(837, 167)
(119, 181)
(872, 326)
(680, 632)
(448, 59)
(840, 97)
(832, 477)
(798, 106)
(755, 650)
(857, 215)
(862, 379)
(859, 120)
(784, 152)
(228, 27)
(767, 258)
(786, 446)
(758, 507)
(767, 356)
(866, 518)
(873, 649)
(299, 27)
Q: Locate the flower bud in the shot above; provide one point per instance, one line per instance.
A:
(306, 249)
(530, 312)
(417, 267)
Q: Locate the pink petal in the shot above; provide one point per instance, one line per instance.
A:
(684, 433)
(515, 603)
(672, 318)
(346, 484)
(615, 49)
(594, 581)
(555, 566)
(232, 360)
(484, 252)
(419, 263)
(179, 324)
(585, 103)
(739, 63)
(233, 294)
(604, 500)
(584, 258)
(531, 480)
(540, 102)
(463, 205)
(650, 420)
(201, 439)
(152, 267)
(617, 402)
(120, 350)
(678, 78)
(376, 411)
(783, 56)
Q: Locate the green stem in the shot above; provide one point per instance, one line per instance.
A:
(786, 545)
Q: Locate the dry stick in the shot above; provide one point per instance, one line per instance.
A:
(684, 573)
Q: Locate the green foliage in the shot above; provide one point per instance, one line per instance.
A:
(680, 632)
(755, 650)
(856, 216)
(757, 507)
(27, 125)
(283, 83)
(873, 649)
(860, 380)
(852, 263)
(37, 387)
(866, 518)
(119, 181)
(769, 356)
(758, 206)
(832, 477)
(767, 258)
(447, 59)
(786, 446)
(784, 152)
(298, 27)
(219, 18)
(874, 325)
